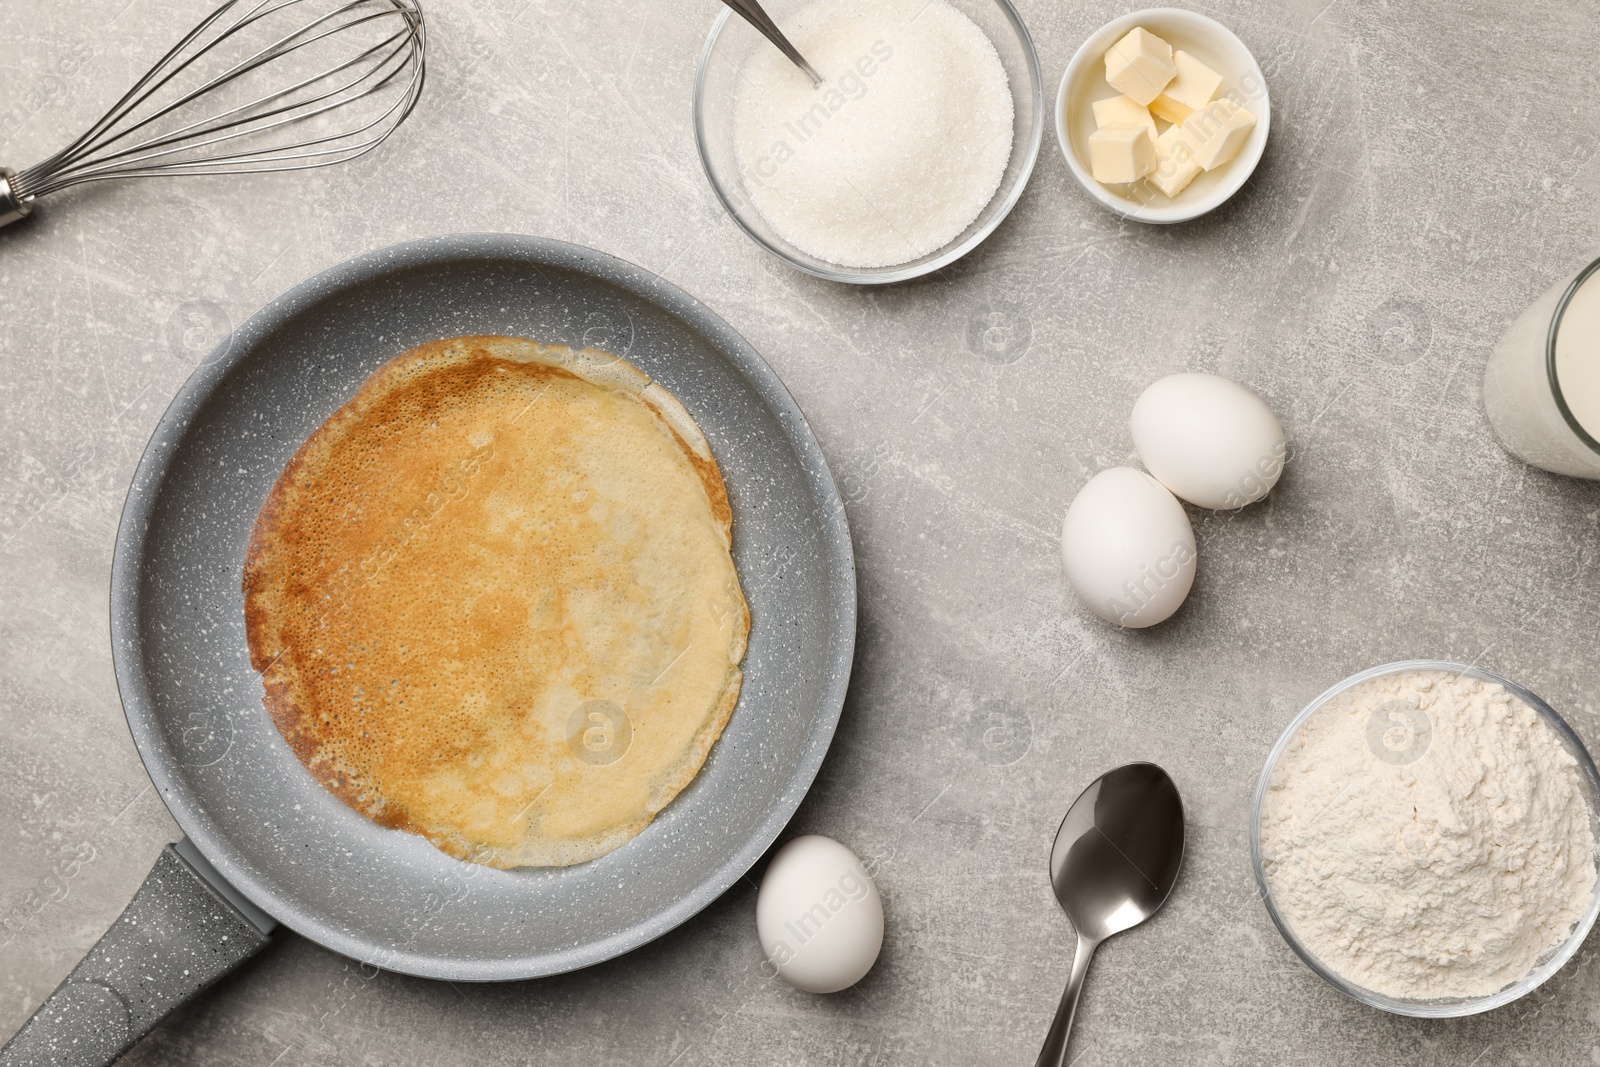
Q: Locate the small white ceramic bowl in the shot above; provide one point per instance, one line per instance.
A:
(1085, 82)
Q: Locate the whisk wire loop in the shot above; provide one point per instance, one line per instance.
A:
(182, 139)
(334, 58)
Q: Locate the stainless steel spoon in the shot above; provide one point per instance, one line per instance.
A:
(1115, 860)
(752, 12)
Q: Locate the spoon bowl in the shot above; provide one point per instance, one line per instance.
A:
(1114, 863)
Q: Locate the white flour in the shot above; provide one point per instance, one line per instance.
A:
(901, 147)
(1427, 835)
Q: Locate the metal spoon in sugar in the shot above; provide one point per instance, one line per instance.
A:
(752, 12)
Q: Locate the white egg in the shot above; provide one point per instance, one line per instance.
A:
(1128, 547)
(819, 915)
(1209, 439)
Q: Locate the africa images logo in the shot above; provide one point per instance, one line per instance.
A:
(1399, 732)
(599, 732)
(851, 888)
(848, 87)
(1151, 580)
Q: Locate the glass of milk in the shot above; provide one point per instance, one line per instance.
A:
(1542, 387)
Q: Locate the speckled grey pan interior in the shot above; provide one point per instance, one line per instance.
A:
(194, 705)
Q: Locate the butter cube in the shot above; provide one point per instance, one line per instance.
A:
(1176, 166)
(1217, 131)
(1140, 66)
(1123, 111)
(1193, 88)
(1121, 154)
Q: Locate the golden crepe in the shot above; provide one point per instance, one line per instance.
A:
(492, 602)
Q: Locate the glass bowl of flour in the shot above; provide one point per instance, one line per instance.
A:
(1424, 837)
(915, 147)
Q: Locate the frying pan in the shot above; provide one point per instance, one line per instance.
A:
(265, 843)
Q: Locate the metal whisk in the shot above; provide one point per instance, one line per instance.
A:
(258, 85)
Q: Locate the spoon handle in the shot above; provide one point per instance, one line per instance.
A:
(1054, 1053)
(752, 12)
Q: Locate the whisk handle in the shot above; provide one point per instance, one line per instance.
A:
(12, 207)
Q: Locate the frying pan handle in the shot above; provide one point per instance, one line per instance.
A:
(184, 929)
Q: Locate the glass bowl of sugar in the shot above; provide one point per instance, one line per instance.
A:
(1424, 837)
(914, 148)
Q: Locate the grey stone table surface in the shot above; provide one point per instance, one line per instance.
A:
(1431, 169)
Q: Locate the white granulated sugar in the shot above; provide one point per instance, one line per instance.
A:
(898, 151)
(1426, 835)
